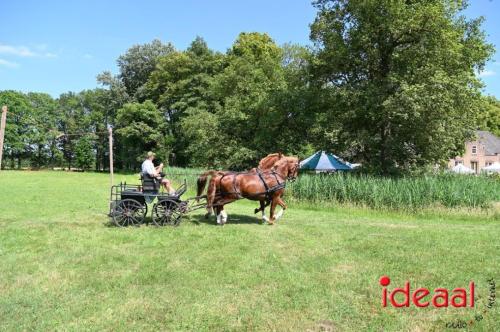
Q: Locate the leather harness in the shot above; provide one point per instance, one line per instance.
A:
(268, 190)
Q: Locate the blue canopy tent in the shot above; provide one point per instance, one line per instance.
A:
(323, 161)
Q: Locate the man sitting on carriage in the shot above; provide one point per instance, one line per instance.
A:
(149, 170)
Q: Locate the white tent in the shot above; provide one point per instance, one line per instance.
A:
(493, 168)
(461, 169)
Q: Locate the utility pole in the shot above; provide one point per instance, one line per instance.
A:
(110, 138)
(2, 132)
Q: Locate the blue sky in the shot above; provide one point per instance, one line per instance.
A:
(58, 46)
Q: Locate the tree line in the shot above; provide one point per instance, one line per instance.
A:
(391, 84)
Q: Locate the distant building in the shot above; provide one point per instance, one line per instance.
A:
(479, 153)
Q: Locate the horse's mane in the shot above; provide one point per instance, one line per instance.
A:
(269, 160)
(285, 159)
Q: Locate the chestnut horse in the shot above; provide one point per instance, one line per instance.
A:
(259, 185)
(265, 164)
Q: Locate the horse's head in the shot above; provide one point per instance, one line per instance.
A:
(288, 167)
(293, 168)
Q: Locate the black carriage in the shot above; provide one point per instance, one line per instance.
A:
(129, 204)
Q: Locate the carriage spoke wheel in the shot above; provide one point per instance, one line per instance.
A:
(129, 212)
(167, 212)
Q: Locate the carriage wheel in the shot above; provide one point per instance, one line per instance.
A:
(129, 212)
(167, 212)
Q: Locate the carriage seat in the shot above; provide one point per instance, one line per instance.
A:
(149, 183)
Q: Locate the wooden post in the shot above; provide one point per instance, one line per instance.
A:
(110, 131)
(2, 132)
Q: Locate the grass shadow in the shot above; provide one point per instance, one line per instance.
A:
(232, 219)
(195, 218)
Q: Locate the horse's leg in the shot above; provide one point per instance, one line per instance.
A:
(263, 204)
(283, 207)
(218, 210)
(210, 211)
(273, 208)
(259, 208)
(210, 197)
(262, 208)
(223, 216)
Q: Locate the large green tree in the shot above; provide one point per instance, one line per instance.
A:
(138, 63)
(84, 152)
(43, 138)
(400, 78)
(141, 128)
(292, 126)
(246, 89)
(19, 129)
(181, 87)
(73, 123)
(255, 101)
(489, 118)
(95, 104)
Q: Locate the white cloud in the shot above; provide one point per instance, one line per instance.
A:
(8, 64)
(24, 51)
(486, 73)
(88, 56)
(16, 50)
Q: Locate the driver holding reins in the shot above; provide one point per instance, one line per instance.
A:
(149, 169)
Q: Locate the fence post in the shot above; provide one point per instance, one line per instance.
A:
(110, 131)
(2, 132)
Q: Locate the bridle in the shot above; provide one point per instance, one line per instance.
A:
(291, 177)
(294, 173)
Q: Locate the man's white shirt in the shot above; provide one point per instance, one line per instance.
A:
(148, 167)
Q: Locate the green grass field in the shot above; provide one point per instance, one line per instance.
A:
(63, 267)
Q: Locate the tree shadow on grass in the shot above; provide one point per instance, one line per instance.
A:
(233, 218)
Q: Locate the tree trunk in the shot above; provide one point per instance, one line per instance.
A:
(97, 159)
(52, 156)
(383, 152)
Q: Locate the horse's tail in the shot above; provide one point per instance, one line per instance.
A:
(202, 182)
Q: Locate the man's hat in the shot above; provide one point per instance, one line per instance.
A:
(151, 154)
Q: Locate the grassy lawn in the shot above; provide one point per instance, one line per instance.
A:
(63, 267)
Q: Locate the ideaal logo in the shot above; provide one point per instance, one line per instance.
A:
(440, 298)
(459, 297)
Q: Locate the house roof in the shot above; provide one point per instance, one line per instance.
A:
(490, 141)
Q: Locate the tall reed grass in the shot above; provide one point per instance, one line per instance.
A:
(402, 193)
(405, 193)
(179, 174)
